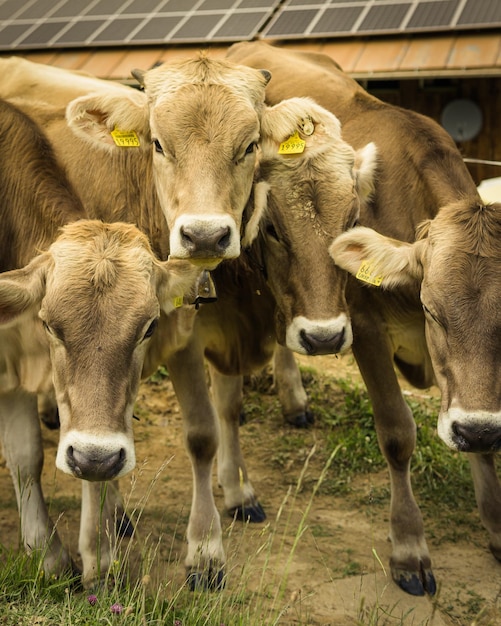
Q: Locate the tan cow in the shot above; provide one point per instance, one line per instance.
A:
(78, 318)
(419, 171)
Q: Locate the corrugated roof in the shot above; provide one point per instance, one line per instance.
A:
(405, 57)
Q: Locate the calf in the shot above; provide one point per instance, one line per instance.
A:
(77, 318)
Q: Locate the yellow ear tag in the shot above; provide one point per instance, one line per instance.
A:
(125, 138)
(366, 274)
(177, 301)
(293, 145)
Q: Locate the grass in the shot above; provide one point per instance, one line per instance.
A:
(330, 460)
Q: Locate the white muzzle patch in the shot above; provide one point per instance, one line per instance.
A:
(315, 337)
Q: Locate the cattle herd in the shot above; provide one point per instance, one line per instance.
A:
(328, 221)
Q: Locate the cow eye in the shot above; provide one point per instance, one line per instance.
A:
(151, 329)
(429, 314)
(158, 146)
(250, 148)
(270, 230)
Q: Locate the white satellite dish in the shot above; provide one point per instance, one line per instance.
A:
(462, 119)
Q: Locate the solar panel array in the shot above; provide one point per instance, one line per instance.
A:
(311, 18)
(36, 24)
(81, 23)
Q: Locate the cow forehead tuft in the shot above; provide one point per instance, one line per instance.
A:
(167, 78)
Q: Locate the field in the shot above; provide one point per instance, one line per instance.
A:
(320, 558)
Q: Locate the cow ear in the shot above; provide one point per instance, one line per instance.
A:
(364, 170)
(95, 117)
(176, 280)
(259, 204)
(23, 288)
(376, 259)
(314, 126)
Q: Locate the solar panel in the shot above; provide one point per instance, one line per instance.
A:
(334, 18)
(58, 24)
(95, 23)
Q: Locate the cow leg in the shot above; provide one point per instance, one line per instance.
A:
(410, 561)
(205, 558)
(488, 496)
(102, 508)
(289, 386)
(23, 452)
(239, 497)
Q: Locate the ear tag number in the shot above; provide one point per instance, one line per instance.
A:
(177, 301)
(293, 145)
(367, 274)
(125, 138)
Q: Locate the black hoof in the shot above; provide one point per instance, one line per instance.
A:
(242, 418)
(251, 513)
(213, 580)
(124, 527)
(303, 420)
(416, 584)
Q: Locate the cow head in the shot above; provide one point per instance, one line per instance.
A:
(456, 263)
(198, 123)
(98, 292)
(314, 181)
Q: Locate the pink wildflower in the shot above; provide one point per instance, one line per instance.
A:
(116, 608)
(92, 599)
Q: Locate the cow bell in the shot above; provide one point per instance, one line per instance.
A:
(206, 290)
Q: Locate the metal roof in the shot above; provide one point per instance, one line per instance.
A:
(368, 38)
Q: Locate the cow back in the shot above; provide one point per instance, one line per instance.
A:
(36, 198)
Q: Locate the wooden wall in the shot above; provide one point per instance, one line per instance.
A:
(431, 96)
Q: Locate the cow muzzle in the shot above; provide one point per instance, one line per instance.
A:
(95, 458)
(204, 238)
(476, 432)
(315, 338)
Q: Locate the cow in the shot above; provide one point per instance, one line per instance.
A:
(420, 173)
(79, 302)
(129, 184)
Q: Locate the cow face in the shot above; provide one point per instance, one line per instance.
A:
(198, 123)
(314, 195)
(98, 292)
(457, 264)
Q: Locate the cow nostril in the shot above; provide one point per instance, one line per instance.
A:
(476, 438)
(95, 465)
(318, 344)
(224, 241)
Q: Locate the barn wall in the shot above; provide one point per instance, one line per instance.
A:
(430, 96)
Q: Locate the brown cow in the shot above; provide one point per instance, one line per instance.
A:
(420, 170)
(77, 318)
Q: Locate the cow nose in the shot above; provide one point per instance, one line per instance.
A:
(95, 466)
(204, 242)
(317, 344)
(476, 438)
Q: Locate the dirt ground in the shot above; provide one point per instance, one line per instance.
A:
(338, 571)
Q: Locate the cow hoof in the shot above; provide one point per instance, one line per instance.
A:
(124, 527)
(303, 420)
(213, 580)
(253, 513)
(416, 583)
